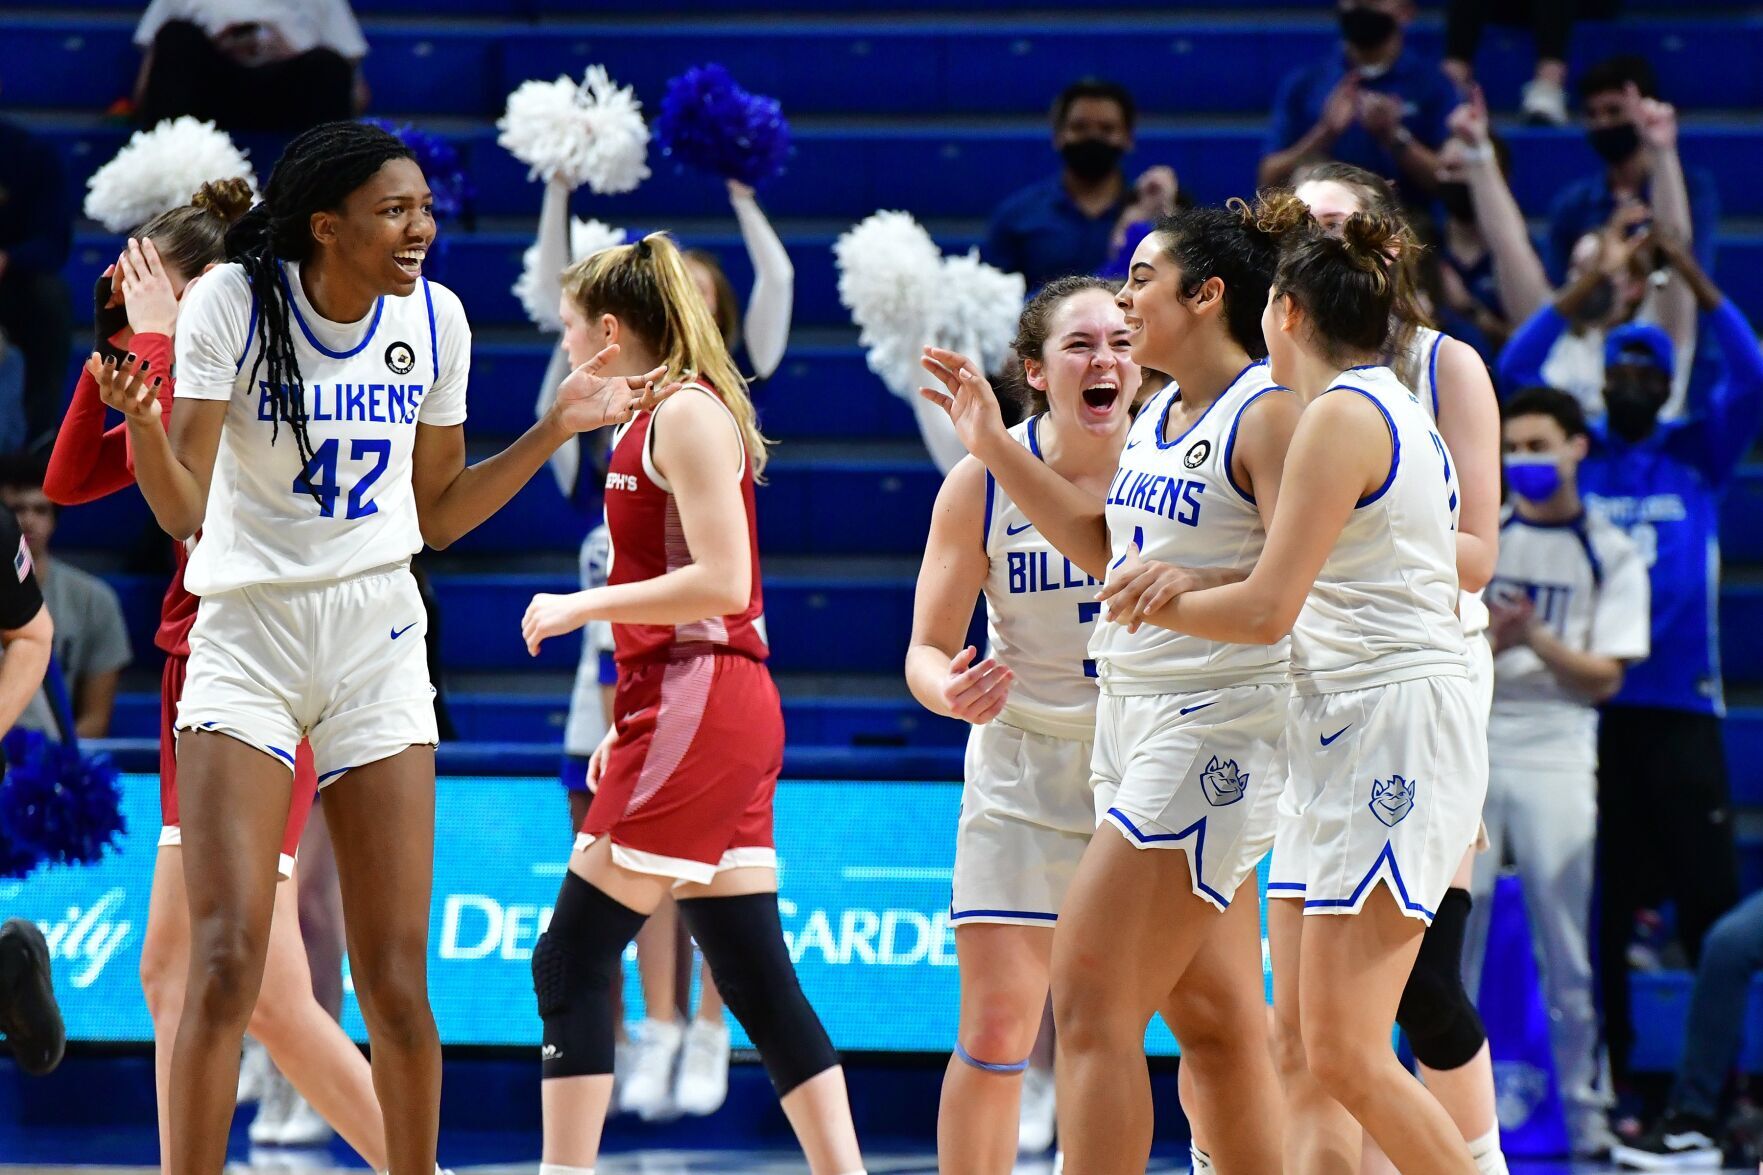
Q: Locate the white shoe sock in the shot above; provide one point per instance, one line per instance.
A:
(561, 1169)
(1199, 1160)
(1489, 1159)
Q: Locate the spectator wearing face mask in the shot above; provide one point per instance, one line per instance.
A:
(1635, 134)
(1373, 104)
(1064, 224)
(1618, 276)
(1661, 481)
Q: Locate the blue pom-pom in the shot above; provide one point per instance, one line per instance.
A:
(448, 180)
(709, 122)
(56, 802)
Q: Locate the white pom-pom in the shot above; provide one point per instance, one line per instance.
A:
(904, 294)
(592, 133)
(160, 169)
(978, 309)
(536, 291)
(888, 271)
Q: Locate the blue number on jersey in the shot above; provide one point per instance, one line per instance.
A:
(1086, 614)
(1438, 443)
(319, 478)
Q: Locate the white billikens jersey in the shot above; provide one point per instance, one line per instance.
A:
(1422, 359)
(1040, 610)
(1384, 608)
(1588, 583)
(367, 385)
(1174, 497)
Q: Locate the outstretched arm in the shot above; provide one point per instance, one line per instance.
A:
(767, 324)
(1073, 520)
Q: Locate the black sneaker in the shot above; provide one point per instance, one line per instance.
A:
(1679, 1142)
(29, 1018)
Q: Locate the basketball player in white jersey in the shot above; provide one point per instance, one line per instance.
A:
(1028, 809)
(1164, 901)
(1570, 601)
(321, 383)
(1443, 1028)
(1382, 741)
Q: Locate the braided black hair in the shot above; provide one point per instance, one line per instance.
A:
(315, 174)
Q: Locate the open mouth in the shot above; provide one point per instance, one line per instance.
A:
(410, 261)
(1102, 396)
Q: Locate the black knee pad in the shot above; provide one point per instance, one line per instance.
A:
(1436, 1013)
(573, 967)
(743, 942)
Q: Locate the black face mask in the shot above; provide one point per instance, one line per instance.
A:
(1366, 28)
(1632, 411)
(1091, 159)
(1597, 304)
(1615, 144)
(1458, 203)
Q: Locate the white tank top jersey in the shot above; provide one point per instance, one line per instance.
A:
(1384, 608)
(1422, 359)
(367, 386)
(1175, 498)
(1587, 582)
(1040, 610)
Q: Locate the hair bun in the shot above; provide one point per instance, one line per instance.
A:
(1372, 240)
(229, 199)
(1276, 213)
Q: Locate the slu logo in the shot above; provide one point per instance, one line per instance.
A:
(1222, 783)
(1392, 800)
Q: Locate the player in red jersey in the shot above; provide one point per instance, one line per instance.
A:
(684, 780)
(139, 317)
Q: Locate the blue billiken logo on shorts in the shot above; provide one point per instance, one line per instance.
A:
(1222, 783)
(1392, 800)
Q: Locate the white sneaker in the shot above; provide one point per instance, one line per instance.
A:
(1034, 1132)
(1544, 103)
(253, 1071)
(273, 1107)
(648, 1091)
(303, 1126)
(1059, 1162)
(703, 1069)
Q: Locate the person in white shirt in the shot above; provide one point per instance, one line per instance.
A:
(258, 65)
(1570, 611)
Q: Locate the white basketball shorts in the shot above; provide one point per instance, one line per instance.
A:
(342, 663)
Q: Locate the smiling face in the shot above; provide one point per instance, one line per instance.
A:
(1086, 369)
(1159, 320)
(383, 231)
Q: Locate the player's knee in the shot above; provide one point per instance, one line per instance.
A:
(1343, 1066)
(162, 979)
(1436, 1013)
(999, 1030)
(574, 964)
(394, 998)
(1288, 1050)
(743, 941)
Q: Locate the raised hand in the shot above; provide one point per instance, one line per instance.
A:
(1341, 109)
(1655, 120)
(969, 400)
(1469, 121)
(976, 693)
(587, 400)
(551, 615)
(126, 387)
(146, 290)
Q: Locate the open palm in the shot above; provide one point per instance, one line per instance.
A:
(588, 399)
(968, 399)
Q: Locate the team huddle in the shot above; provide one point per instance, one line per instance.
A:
(1231, 560)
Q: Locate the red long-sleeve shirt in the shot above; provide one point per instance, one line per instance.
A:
(90, 462)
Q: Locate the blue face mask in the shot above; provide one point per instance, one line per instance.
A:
(1533, 478)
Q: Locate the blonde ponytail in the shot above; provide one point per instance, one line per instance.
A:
(648, 288)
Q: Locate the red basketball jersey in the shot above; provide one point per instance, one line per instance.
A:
(648, 541)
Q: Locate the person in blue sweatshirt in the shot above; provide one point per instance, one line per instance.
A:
(1664, 805)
